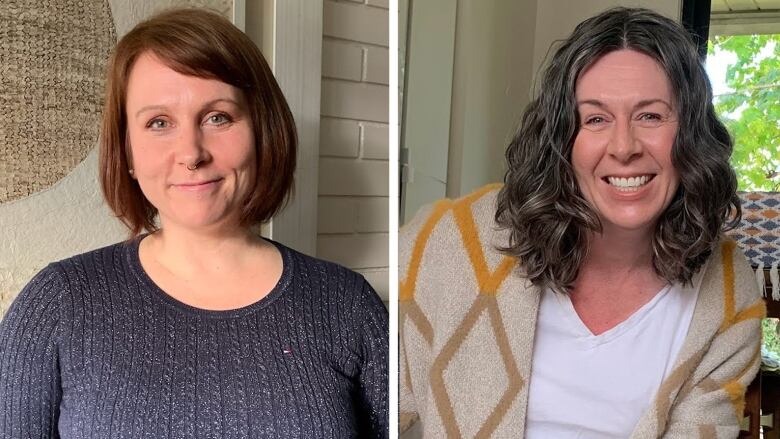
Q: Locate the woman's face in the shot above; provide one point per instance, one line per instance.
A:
(175, 121)
(622, 153)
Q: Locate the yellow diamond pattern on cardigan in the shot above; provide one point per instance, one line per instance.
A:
(731, 317)
(489, 282)
(408, 307)
(734, 388)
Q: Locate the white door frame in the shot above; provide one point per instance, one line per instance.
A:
(429, 53)
(289, 32)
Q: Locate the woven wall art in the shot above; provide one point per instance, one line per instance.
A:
(53, 56)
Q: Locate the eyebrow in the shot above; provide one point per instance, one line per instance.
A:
(207, 104)
(640, 104)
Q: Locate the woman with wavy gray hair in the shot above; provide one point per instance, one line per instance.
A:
(593, 295)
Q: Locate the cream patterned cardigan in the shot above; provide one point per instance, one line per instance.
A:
(467, 321)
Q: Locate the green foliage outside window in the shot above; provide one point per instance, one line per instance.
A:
(770, 348)
(752, 110)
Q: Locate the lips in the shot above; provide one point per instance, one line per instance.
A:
(197, 185)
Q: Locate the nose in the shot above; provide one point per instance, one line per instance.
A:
(190, 148)
(623, 144)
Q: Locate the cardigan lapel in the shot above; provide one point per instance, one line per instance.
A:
(704, 324)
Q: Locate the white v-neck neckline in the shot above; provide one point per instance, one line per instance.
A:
(602, 382)
(582, 332)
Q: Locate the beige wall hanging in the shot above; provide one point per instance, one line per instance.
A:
(51, 79)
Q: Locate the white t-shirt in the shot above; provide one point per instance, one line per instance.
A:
(587, 386)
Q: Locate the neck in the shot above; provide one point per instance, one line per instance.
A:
(616, 278)
(189, 253)
(619, 251)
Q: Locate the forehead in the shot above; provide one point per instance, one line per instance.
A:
(624, 74)
(148, 67)
(152, 79)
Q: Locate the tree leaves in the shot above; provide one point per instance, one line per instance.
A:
(751, 111)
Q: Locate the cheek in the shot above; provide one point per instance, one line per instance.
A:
(583, 155)
(137, 152)
(246, 157)
(146, 165)
(662, 144)
(149, 156)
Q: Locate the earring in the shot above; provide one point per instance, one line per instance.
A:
(132, 172)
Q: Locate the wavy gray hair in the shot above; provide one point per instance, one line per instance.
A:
(541, 203)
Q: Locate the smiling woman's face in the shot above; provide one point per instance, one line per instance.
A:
(622, 153)
(175, 121)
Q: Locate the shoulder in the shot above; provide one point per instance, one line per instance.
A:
(104, 256)
(36, 311)
(43, 289)
(340, 296)
(89, 274)
(451, 251)
(332, 282)
(729, 269)
(319, 270)
(729, 306)
(68, 275)
(447, 223)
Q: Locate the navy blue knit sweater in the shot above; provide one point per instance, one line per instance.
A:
(92, 348)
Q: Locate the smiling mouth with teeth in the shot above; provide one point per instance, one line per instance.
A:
(630, 184)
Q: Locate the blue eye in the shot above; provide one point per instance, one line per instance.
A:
(157, 124)
(218, 119)
(594, 120)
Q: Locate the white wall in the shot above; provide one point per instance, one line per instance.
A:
(353, 176)
(425, 132)
(493, 53)
(552, 25)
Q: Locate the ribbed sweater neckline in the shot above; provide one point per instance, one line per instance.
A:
(134, 263)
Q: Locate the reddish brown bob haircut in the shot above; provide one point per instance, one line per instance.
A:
(200, 43)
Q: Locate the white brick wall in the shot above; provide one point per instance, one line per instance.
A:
(353, 206)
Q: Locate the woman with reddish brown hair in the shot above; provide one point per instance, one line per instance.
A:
(199, 327)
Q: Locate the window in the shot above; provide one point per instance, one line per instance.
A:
(745, 75)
